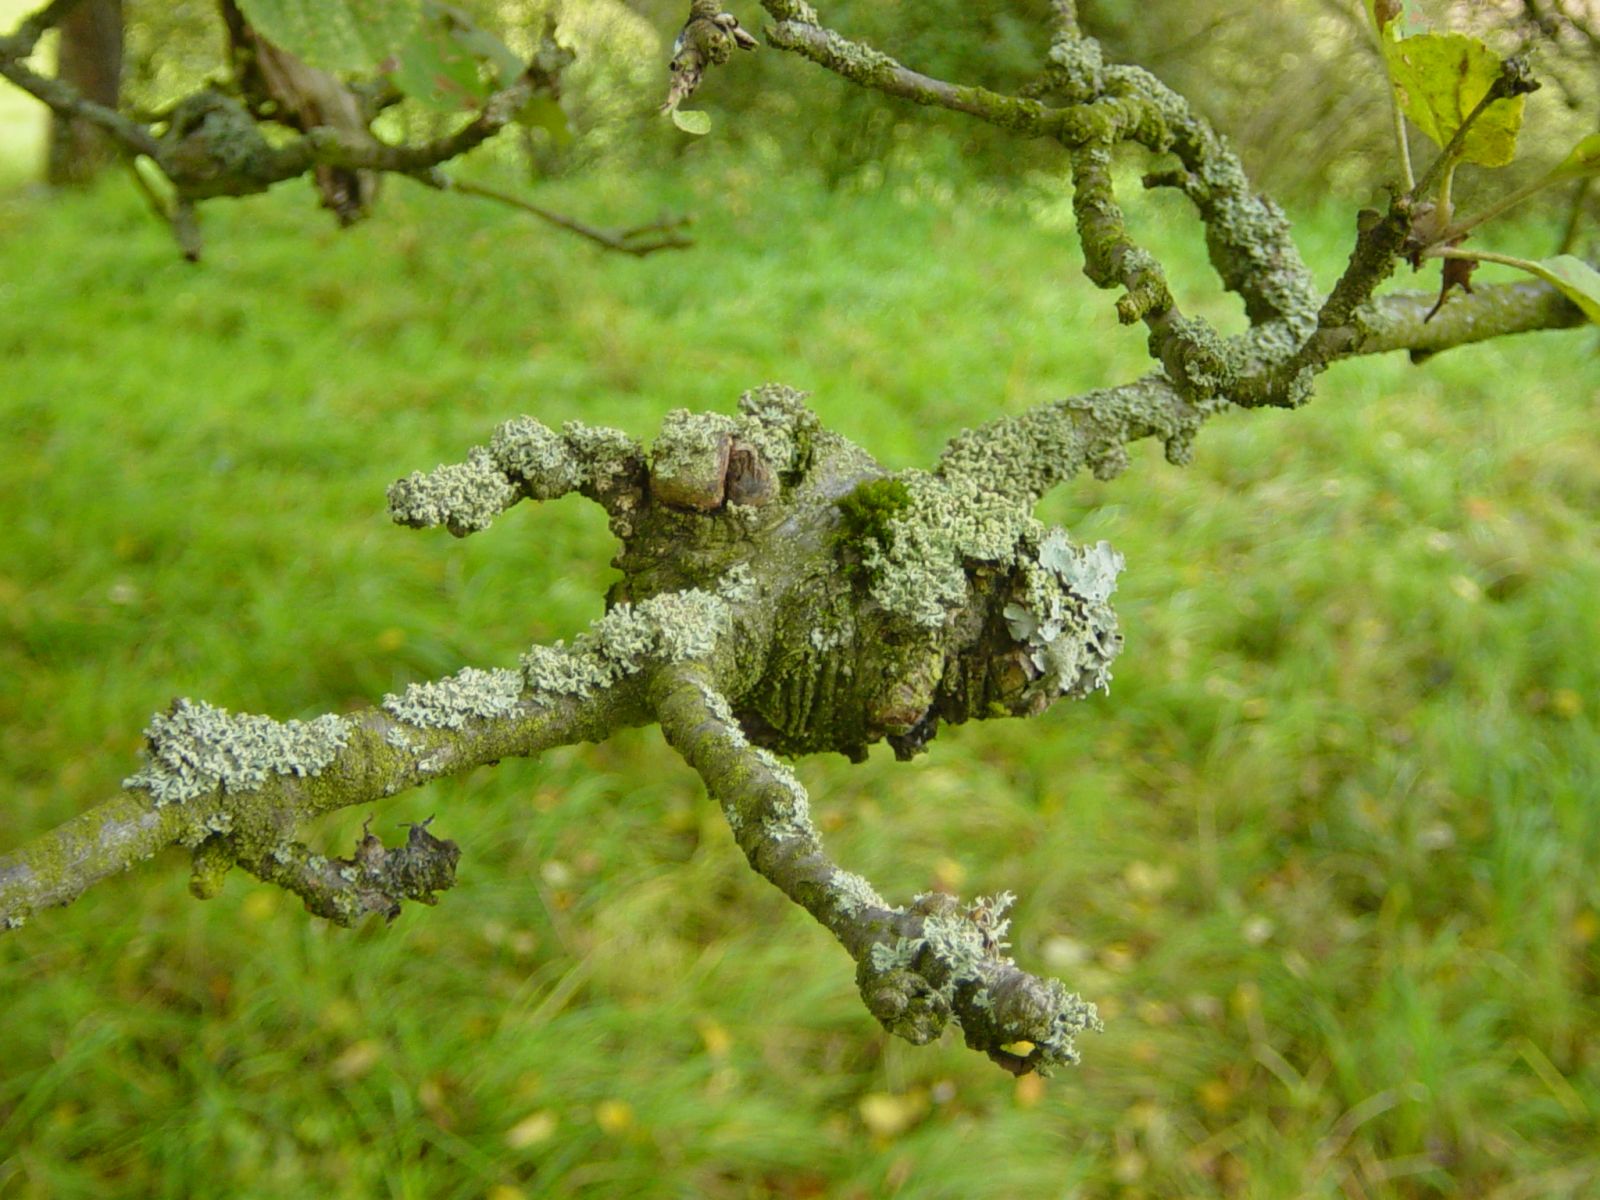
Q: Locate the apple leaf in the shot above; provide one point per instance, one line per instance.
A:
(336, 35)
(1577, 280)
(692, 120)
(1584, 160)
(1439, 78)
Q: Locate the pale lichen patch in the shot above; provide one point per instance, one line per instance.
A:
(449, 703)
(463, 497)
(854, 894)
(671, 627)
(775, 421)
(921, 571)
(194, 748)
(1062, 615)
(531, 451)
(899, 955)
(789, 813)
(399, 739)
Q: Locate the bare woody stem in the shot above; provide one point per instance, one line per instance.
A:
(63, 98)
(26, 36)
(638, 240)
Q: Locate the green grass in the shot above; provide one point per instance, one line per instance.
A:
(1324, 857)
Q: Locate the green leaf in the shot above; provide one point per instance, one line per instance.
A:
(1584, 160)
(1577, 280)
(546, 113)
(1439, 78)
(450, 64)
(692, 120)
(337, 35)
(500, 58)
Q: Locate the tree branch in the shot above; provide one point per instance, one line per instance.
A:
(60, 97)
(255, 780)
(918, 967)
(638, 240)
(1026, 455)
(25, 37)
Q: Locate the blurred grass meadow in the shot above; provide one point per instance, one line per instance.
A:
(1325, 857)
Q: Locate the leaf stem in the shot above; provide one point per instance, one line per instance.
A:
(1488, 256)
(1402, 144)
(1505, 203)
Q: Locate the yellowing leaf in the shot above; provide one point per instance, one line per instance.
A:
(1584, 160)
(1439, 78)
(532, 1129)
(1029, 1090)
(889, 1115)
(614, 1116)
(356, 1060)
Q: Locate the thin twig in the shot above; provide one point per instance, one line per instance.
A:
(64, 99)
(638, 240)
(1408, 179)
(26, 36)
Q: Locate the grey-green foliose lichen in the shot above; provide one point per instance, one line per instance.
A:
(195, 748)
(1062, 615)
(960, 955)
(465, 497)
(523, 458)
(671, 627)
(449, 703)
(919, 572)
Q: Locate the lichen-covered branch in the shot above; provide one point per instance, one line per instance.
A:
(781, 593)
(918, 966)
(524, 460)
(254, 780)
(1089, 107)
(1112, 119)
(1026, 455)
(374, 879)
(708, 39)
(1295, 334)
(211, 143)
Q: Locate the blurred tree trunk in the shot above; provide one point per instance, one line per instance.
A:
(91, 61)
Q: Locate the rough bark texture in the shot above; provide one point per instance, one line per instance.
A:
(211, 142)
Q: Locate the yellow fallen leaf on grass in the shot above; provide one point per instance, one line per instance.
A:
(614, 1117)
(888, 1115)
(534, 1128)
